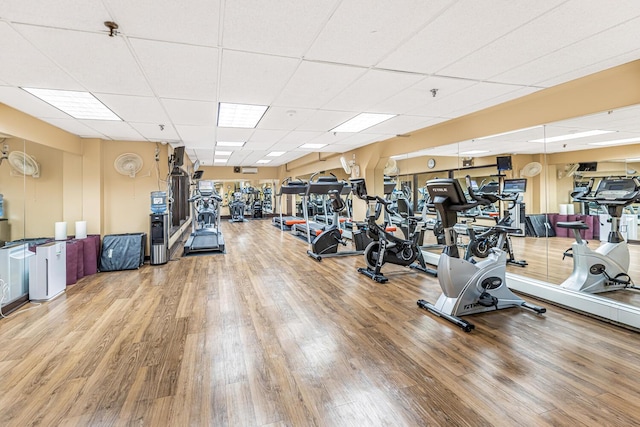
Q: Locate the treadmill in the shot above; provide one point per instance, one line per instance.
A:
(288, 186)
(205, 224)
(310, 229)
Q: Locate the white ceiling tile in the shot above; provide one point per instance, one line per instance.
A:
(547, 34)
(329, 138)
(75, 127)
(257, 145)
(197, 136)
(377, 30)
(280, 27)
(23, 65)
(370, 89)
(72, 14)
(177, 70)
(252, 78)
(299, 137)
(267, 136)
(421, 94)
(314, 84)
(286, 146)
(200, 113)
(233, 134)
(152, 132)
(142, 109)
(324, 120)
(460, 30)
(168, 20)
(98, 62)
(116, 130)
(285, 118)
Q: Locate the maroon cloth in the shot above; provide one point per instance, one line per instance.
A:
(72, 261)
(91, 247)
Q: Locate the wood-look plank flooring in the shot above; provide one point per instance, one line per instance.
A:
(265, 336)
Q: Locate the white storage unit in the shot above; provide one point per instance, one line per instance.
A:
(14, 271)
(48, 271)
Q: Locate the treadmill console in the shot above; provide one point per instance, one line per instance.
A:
(623, 189)
(206, 188)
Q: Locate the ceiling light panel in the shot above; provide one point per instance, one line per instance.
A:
(223, 153)
(79, 105)
(311, 146)
(229, 143)
(571, 136)
(219, 160)
(240, 115)
(263, 161)
(616, 141)
(362, 121)
(275, 154)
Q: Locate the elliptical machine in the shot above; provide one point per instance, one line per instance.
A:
(236, 208)
(467, 287)
(385, 247)
(605, 268)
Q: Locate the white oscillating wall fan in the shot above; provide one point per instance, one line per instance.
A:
(350, 167)
(128, 164)
(531, 169)
(24, 164)
(391, 168)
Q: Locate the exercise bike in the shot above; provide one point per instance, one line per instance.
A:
(481, 243)
(385, 247)
(467, 288)
(605, 268)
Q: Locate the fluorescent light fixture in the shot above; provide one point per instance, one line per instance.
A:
(573, 136)
(362, 121)
(633, 160)
(223, 153)
(263, 161)
(229, 144)
(220, 160)
(474, 152)
(616, 141)
(79, 105)
(312, 146)
(240, 115)
(506, 133)
(275, 154)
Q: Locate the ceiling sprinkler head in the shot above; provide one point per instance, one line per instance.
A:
(113, 27)
(434, 92)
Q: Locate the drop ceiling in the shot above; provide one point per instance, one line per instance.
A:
(316, 64)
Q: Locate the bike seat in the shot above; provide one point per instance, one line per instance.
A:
(574, 225)
(505, 229)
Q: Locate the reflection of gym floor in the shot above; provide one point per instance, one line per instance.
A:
(545, 262)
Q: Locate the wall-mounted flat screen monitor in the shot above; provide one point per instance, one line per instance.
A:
(588, 167)
(518, 185)
(504, 163)
(178, 156)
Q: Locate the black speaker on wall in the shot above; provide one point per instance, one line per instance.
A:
(236, 169)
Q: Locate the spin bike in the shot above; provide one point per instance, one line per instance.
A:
(467, 288)
(605, 268)
(385, 247)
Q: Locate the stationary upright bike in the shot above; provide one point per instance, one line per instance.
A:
(605, 268)
(467, 287)
(385, 247)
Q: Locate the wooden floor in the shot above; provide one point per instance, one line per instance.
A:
(265, 336)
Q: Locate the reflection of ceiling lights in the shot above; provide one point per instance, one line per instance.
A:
(79, 105)
(616, 141)
(263, 161)
(312, 146)
(240, 115)
(473, 152)
(220, 160)
(506, 133)
(573, 136)
(361, 122)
